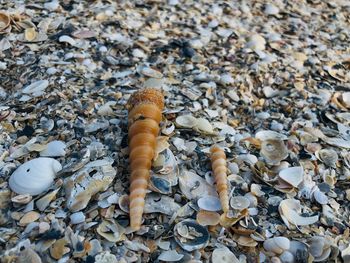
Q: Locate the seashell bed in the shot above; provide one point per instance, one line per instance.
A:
(174, 131)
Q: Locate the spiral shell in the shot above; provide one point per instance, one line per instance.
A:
(145, 113)
(218, 160)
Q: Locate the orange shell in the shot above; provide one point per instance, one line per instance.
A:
(145, 113)
(218, 161)
(149, 96)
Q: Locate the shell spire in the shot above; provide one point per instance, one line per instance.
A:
(145, 113)
(218, 162)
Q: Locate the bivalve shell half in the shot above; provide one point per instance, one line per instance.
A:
(54, 149)
(209, 203)
(208, 218)
(4, 21)
(273, 151)
(170, 256)
(269, 135)
(34, 177)
(292, 175)
(186, 121)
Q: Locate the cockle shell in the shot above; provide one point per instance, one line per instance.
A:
(223, 255)
(34, 177)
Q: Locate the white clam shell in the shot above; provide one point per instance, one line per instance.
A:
(204, 126)
(292, 175)
(186, 121)
(209, 203)
(54, 149)
(34, 177)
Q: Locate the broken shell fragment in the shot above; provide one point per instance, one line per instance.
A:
(190, 235)
(4, 21)
(289, 210)
(54, 149)
(292, 175)
(223, 255)
(44, 201)
(111, 231)
(265, 135)
(208, 218)
(320, 248)
(35, 176)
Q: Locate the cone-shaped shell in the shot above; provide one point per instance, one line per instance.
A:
(145, 112)
(218, 161)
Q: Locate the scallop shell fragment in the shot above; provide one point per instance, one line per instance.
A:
(35, 176)
(290, 210)
(292, 175)
(190, 235)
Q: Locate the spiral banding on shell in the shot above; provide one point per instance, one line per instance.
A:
(145, 113)
(218, 162)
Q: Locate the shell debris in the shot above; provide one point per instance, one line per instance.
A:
(109, 111)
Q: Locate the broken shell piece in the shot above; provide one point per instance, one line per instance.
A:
(289, 210)
(4, 21)
(170, 256)
(186, 121)
(44, 201)
(35, 176)
(320, 248)
(111, 231)
(28, 255)
(208, 218)
(228, 221)
(190, 235)
(277, 244)
(265, 135)
(292, 175)
(36, 88)
(77, 218)
(223, 255)
(193, 186)
(93, 178)
(328, 156)
(273, 151)
(22, 199)
(54, 149)
(287, 257)
(156, 203)
(239, 202)
(346, 99)
(209, 203)
(160, 185)
(29, 217)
